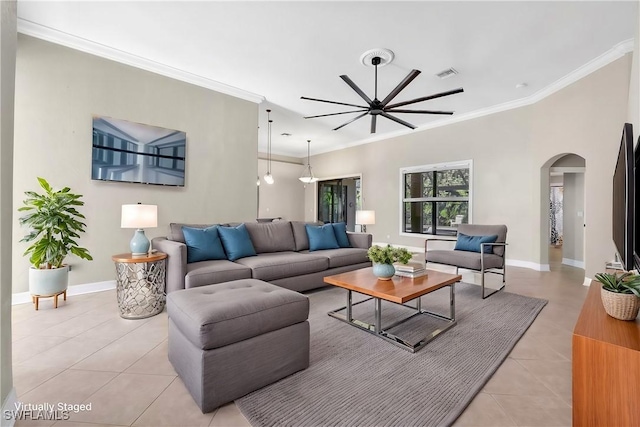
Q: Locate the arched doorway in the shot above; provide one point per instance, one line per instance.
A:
(563, 211)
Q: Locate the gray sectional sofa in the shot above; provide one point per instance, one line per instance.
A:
(283, 258)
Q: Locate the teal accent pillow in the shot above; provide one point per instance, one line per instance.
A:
(236, 241)
(321, 237)
(340, 230)
(472, 243)
(203, 244)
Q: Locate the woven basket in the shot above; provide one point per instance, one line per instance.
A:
(620, 306)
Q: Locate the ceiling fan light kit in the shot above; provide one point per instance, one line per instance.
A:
(377, 58)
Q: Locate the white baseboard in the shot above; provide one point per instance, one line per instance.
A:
(528, 264)
(573, 262)
(87, 288)
(587, 281)
(9, 405)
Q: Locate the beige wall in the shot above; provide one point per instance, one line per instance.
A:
(7, 83)
(285, 197)
(573, 218)
(57, 91)
(509, 150)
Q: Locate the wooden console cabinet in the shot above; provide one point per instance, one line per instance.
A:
(606, 367)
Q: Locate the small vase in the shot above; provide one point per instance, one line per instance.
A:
(384, 271)
(620, 306)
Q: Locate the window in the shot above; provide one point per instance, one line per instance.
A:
(435, 198)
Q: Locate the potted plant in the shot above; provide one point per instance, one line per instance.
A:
(383, 259)
(54, 225)
(620, 294)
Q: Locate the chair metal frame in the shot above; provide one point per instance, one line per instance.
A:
(493, 270)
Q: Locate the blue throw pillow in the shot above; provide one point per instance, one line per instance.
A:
(472, 243)
(321, 237)
(203, 244)
(236, 241)
(340, 230)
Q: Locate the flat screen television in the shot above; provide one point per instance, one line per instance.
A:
(624, 200)
(124, 151)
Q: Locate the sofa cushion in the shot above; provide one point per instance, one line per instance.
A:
(218, 315)
(340, 230)
(271, 236)
(474, 243)
(300, 234)
(176, 233)
(236, 241)
(464, 259)
(486, 230)
(342, 256)
(203, 244)
(321, 237)
(277, 265)
(208, 272)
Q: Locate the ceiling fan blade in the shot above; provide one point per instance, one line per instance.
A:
(333, 102)
(412, 75)
(397, 120)
(425, 98)
(419, 111)
(355, 87)
(352, 120)
(334, 114)
(373, 123)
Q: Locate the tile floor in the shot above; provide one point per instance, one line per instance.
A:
(84, 352)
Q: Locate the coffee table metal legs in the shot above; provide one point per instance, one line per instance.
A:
(377, 329)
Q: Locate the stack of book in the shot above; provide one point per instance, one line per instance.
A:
(412, 269)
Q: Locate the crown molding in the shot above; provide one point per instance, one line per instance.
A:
(616, 52)
(55, 36)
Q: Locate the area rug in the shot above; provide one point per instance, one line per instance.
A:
(357, 379)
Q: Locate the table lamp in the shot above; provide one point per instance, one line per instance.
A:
(139, 216)
(365, 218)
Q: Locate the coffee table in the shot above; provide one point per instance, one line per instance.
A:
(399, 290)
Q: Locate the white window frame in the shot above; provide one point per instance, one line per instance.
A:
(460, 164)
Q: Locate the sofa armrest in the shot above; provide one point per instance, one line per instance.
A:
(426, 242)
(176, 262)
(360, 240)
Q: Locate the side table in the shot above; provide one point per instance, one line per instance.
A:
(140, 284)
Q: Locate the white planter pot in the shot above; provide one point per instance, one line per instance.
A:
(48, 282)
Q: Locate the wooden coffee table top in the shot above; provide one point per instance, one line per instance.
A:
(398, 289)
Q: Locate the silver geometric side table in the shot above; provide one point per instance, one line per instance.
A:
(140, 284)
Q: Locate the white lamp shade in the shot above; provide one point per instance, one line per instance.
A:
(139, 216)
(365, 217)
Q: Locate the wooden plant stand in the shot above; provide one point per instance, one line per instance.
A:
(36, 298)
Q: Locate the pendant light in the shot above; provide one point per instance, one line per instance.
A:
(307, 176)
(268, 178)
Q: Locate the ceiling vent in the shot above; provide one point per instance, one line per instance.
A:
(447, 73)
(285, 134)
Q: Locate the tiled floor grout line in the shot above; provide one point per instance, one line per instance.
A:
(149, 405)
(504, 411)
(556, 395)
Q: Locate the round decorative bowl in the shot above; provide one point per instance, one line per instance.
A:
(620, 306)
(384, 271)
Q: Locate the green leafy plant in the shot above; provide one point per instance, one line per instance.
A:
(388, 254)
(626, 283)
(54, 223)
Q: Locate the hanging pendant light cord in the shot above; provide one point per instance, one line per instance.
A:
(269, 141)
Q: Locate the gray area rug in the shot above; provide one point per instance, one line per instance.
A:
(357, 379)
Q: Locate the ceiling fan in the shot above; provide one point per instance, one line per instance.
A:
(383, 108)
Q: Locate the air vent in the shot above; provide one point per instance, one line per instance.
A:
(285, 134)
(447, 73)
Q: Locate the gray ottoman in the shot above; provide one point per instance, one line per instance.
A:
(231, 338)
